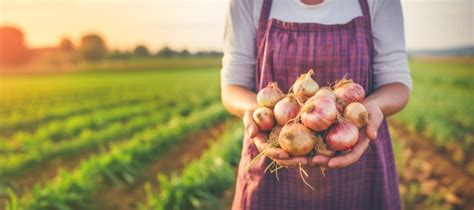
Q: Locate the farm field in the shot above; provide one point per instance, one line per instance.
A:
(139, 139)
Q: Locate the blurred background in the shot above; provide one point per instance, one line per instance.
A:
(114, 104)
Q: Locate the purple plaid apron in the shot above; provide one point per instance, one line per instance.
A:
(284, 51)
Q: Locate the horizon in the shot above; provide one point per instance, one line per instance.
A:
(429, 25)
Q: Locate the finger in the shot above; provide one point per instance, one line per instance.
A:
(292, 162)
(276, 153)
(260, 142)
(320, 160)
(250, 125)
(375, 120)
(352, 157)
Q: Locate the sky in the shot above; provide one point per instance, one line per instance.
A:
(198, 24)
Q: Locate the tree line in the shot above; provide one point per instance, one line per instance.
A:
(91, 47)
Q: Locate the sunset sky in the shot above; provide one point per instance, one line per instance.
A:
(198, 24)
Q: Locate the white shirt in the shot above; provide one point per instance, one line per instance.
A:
(390, 63)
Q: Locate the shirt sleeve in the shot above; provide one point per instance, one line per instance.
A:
(390, 63)
(238, 63)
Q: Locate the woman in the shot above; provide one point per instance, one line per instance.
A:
(278, 40)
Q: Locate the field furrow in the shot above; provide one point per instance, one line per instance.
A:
(74, 189)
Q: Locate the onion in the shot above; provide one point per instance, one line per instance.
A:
(324, 92)
(348, 91)
(357, 114)
(269, 95)
(342, 136)
(296, 139)
(322, 149)
(305, 87)
(263, 116)
(286, 109)
(319, 114)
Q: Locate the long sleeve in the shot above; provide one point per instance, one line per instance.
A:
(238, 63)
(390, 63)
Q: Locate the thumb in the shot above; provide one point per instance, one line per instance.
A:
(250, 126)
(373, 125)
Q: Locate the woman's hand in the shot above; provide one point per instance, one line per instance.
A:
(369, 133)
(281, 157)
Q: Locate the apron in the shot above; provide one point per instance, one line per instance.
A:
(284, 51)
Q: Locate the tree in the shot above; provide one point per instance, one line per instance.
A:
(141, 51)
(92, 47)
(13, 50)
(185, 53)
(166, 52)
(66, 45)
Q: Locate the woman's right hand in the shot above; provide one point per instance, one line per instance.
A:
(281, 157)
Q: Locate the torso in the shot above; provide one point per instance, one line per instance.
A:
(284, 51)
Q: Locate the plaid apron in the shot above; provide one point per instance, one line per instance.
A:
(284, 51)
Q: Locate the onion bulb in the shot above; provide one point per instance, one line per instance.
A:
(348, 91)
(342, 136)
(324, 92)
(296, 139)
(319, 114)
(286, 109)
(263, 117)
(305, 87)
(269, 95)
(357, 114)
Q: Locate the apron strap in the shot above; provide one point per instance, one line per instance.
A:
(364, 5)
(369, 36)
(265, 14)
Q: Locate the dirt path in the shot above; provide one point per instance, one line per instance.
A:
(125, 197)
(433, 170)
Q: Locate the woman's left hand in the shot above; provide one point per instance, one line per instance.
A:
(365, 136)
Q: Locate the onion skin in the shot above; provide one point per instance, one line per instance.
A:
(319, 114)
(324, 92)
(322, 149)
(286, 109)
(269, 95)
(305, 87)
(348, 91)
(263, 117)
(342, 136)
(296, 139)
(357, 114)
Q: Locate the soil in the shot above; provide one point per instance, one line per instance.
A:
(438, 167)
(126, 197)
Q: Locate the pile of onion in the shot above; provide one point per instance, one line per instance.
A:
(311, 120)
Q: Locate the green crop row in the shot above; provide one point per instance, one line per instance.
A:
(45, 150)
(21, 117)
(72, 190)
(24, 101)
(61, 130)
(203, 181)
